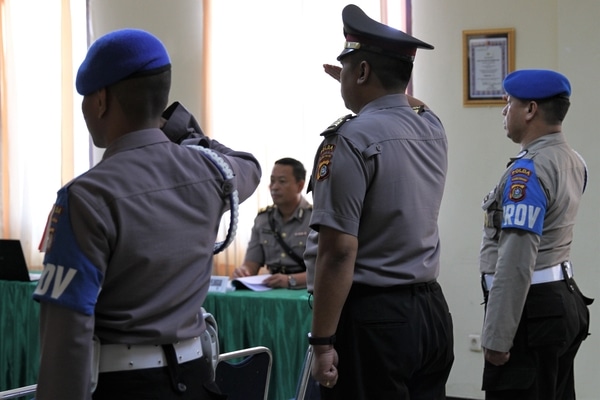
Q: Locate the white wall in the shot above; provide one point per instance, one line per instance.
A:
(554, 34)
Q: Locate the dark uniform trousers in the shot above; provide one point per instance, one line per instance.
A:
(188, 381)
(555, 321)
(393, 343)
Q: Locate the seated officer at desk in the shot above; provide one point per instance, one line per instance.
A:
(279, 232)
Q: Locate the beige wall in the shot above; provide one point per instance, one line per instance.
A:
(178, 24)
(554, 34)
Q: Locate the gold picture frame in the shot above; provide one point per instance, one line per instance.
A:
(488, 56)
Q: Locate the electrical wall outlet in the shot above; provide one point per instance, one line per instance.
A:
(475, 342)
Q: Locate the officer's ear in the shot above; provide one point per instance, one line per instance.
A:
(532, 108)
(364, 69)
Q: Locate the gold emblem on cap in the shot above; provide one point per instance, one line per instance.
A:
(352, 45)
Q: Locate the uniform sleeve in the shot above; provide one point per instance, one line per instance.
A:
(523, 200)
(523, 211)
(67, 292)
(517, 252)
(246, 169)
(69, 278)
(65, 346)
(339, 169)
(255, 252)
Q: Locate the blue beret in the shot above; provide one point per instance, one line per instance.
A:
(119, 55)
(536, 84)
(364, 33)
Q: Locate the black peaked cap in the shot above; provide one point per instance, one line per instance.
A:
(378, 37)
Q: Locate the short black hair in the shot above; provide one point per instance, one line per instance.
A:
(393, 72)
(298, 169)
(554, 108)
(143, 97)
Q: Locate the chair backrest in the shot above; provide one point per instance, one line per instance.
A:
(248, 378)
(308, 387)
(18, 392)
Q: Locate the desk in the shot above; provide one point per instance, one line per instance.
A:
(278, 319)
(19, 335)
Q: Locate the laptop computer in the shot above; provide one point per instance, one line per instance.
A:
(13, 266)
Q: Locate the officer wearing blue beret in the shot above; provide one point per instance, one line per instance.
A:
(535, 316)
(381, 327)
(129, 244)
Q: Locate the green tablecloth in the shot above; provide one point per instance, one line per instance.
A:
(278, 319)
(19, 335)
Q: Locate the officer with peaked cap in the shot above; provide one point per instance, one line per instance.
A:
(381, 326)
(364, 33)
(535, 316)
(129, 244)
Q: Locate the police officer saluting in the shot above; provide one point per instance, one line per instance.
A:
(536, 317)
(129, 245)
(381, 327)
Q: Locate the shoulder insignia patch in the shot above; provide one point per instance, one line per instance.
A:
(325, 162)
(265, 209)
(517, 192)
(337, 124)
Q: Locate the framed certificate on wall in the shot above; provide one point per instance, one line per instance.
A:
(488, 56)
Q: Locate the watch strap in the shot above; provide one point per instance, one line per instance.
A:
(291, 281)
(320, 341)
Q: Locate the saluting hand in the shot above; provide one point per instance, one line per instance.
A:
(333, 71)
(324, 365)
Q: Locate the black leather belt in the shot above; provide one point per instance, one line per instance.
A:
(360, 289)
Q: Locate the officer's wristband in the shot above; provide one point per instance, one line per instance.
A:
(320, 341)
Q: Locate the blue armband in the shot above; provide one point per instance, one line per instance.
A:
(523, 201)
(69, 278)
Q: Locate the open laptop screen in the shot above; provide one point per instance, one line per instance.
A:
(13, 266)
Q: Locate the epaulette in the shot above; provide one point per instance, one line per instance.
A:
(419, 109)
(265, 209)
(337, 124)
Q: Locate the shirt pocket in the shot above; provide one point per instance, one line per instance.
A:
(298, 243)
(267, 238)
(492, 215)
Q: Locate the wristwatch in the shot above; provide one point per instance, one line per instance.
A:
(291, 281)
(320, 341)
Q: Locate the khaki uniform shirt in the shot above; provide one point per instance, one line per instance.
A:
(529, 220)
(264, 249)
